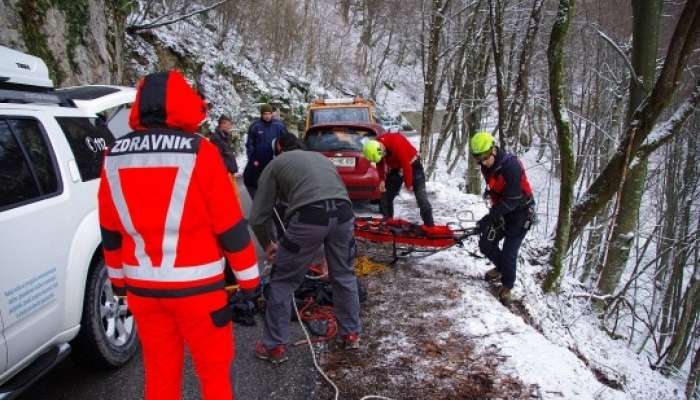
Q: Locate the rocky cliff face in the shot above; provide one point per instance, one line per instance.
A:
(81, 41)
(84, 42)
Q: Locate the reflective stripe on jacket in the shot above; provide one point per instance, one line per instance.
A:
(169, 215)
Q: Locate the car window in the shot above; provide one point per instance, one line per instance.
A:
(118, 122)
(341, 114)
(88, 138)
(27, 170)
(336, 140)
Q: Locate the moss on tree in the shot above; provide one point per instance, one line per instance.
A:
(32, 16)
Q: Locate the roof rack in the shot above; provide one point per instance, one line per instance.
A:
(23, 69)
(24, 97)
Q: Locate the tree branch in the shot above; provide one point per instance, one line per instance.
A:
(152, 25)
(622, 54)
(668, 129)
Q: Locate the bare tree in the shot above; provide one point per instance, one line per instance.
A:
(430, 72)
(166, 13)
(683, 43)
(646, 19)
(555, 56)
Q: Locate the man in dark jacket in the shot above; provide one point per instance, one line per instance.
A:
(318, 214)
(224, 141)
(512, 210)
(258, 146)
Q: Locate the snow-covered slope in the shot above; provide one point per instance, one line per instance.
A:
(550, 341)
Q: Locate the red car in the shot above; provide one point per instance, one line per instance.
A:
(342, 144)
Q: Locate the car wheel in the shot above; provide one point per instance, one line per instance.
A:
(107, 337)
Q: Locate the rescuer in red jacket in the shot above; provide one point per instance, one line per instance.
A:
(395, 156)
(169, 216)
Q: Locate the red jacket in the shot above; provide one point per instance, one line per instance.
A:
(400, 153)
(167, 209)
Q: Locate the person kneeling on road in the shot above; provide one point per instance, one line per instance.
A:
(511, 214)
(394, 156)
(319, 213)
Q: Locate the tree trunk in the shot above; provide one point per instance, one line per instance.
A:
(555, 58)
(520, 93)
(622, 233)
(693, 377)
(496, 24)
(646, 19)
(430, 76)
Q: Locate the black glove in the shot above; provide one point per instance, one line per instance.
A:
(490, 221)
(247, 294)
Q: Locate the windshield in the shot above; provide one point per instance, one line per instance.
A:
(337, 140)
(340, 114)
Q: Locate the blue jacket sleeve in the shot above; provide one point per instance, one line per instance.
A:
(249, 144)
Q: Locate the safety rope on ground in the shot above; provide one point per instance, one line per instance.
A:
(318, 367)
(312, 311)
(365, 266)
(311, 345)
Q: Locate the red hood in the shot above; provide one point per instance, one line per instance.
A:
(165, 99)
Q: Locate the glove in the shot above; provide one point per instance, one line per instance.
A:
(248, 294)
(488, 221)
(484, 223)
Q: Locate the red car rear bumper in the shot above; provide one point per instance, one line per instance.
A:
(361, 187)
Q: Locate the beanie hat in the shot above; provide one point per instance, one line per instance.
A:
(266, 108)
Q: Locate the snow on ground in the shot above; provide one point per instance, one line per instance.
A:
(552, 344)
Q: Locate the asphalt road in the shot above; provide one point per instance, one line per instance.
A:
(253, 379)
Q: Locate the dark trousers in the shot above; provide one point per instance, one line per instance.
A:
(394, 181)
(505, 259)
(251, 191)
(313, 226)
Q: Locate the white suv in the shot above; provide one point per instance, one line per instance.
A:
(54, 291)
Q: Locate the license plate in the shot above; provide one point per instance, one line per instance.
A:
(343, 161)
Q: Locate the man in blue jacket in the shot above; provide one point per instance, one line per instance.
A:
(258, 146)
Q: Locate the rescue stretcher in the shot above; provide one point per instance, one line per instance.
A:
(407, 238)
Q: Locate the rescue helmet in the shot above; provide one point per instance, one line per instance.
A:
(480, 143)
(372, 151)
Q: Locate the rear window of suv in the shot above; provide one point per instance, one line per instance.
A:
(88, 138)
(339, 114)
(27, 166)
(337, 139)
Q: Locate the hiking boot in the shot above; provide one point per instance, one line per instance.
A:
(276, 355)
(504, 296)
(350, 341)
(492, 275)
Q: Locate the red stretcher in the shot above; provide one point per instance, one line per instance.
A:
(407, 237)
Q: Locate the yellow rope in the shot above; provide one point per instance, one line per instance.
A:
(364, 266)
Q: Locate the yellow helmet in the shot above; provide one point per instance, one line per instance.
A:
(372, 151)
(480, 143)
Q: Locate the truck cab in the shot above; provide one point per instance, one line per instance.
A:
(352, 110)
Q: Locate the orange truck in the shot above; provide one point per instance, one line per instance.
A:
(324, 111)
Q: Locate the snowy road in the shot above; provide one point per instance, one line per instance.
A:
(253, 379)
